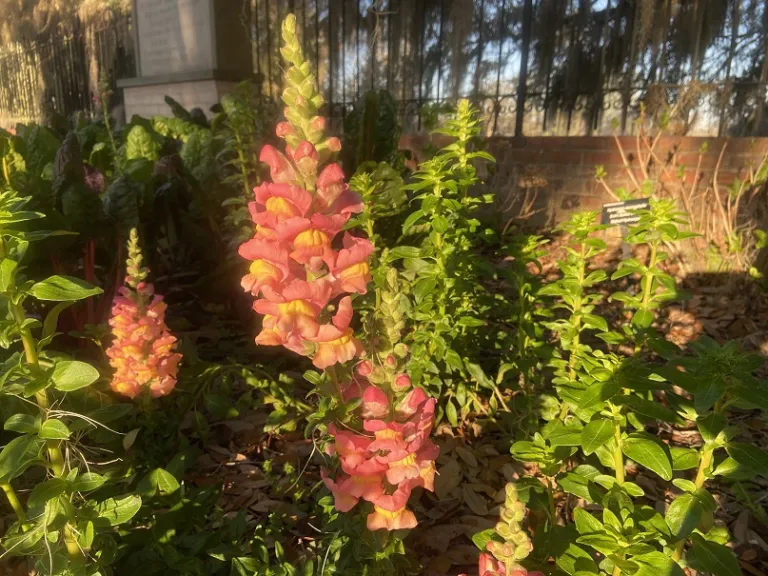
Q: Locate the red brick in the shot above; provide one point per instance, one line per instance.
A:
(691, 160)
(609, 159)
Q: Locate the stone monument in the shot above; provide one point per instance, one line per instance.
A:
(191, 50)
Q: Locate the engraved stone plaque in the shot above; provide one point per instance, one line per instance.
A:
(174, 36)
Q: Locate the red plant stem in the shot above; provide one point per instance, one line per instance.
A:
(89, 264)
(110, 288)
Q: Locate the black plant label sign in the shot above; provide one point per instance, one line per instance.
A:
(622, 213)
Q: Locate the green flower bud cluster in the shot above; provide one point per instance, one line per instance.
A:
(516, 543)
(136, 272)
(392, 311)
(303, 101)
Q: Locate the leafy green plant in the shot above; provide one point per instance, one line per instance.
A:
(444, 272)
(609, 406)
(67, 531)
(243, 126)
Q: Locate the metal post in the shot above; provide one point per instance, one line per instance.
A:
(317, 43)
(522, 83)
(330, 59)
(269, 46)
(440, 49)
(496, 102)
(421, 55)
(479, 49)
(357, 49)
(731, 52)
(343, 58)
(627, 90)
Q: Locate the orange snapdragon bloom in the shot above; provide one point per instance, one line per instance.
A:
(398, 458)
(295, 268)
(143, 350)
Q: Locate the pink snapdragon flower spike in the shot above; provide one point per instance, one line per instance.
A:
(303, 275)
(143, 351)
(398, 458)
(295, 268)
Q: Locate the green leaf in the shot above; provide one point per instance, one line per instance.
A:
(750, 456)
(708, 392)
(650, 409)
(712, 557)
(684, 458)
(424, 288)
(599, 391)
(657, 564)
(586, 523)
(710, 425)
(642, 318)
(401, 252)
(650, 452)
(165, 481)
(54, 430)
(684, 515)
(451, 414)
(118, 511)
(47, 490)
(86, 535)
(63, 288)
(595, 434)
(750, 395)
(575, 559)
(7, 274)
(604, 543)
(70, 375)
(23, 423)
(733, 470)
(440, 224)
(481, 539)
(412, 219)
(595, 322)
(18, 455)
(684, 485)
(558, 434)
(87, 482)
(580, 486)
(477, 373)
(470, 322)
(52, 318)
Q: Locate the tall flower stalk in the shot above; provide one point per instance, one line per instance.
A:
(304, 279)
(143, 350)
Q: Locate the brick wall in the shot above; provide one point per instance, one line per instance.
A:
(563, 168)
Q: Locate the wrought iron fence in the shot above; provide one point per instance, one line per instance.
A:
(62, 72)
(536, 66)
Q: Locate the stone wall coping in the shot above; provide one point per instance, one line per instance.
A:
(179, 77)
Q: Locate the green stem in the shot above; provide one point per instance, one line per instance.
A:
(648, 288)
(704, 463)
(576, 322)
(13, 500)
(243, 166)
(76, 556)
(618, 455)
(649, 276)
(30, 351)
(6, 173)
(336, 384)
(500, 397)
(551, 500)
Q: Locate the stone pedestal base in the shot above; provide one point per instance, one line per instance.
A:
(146, 96)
